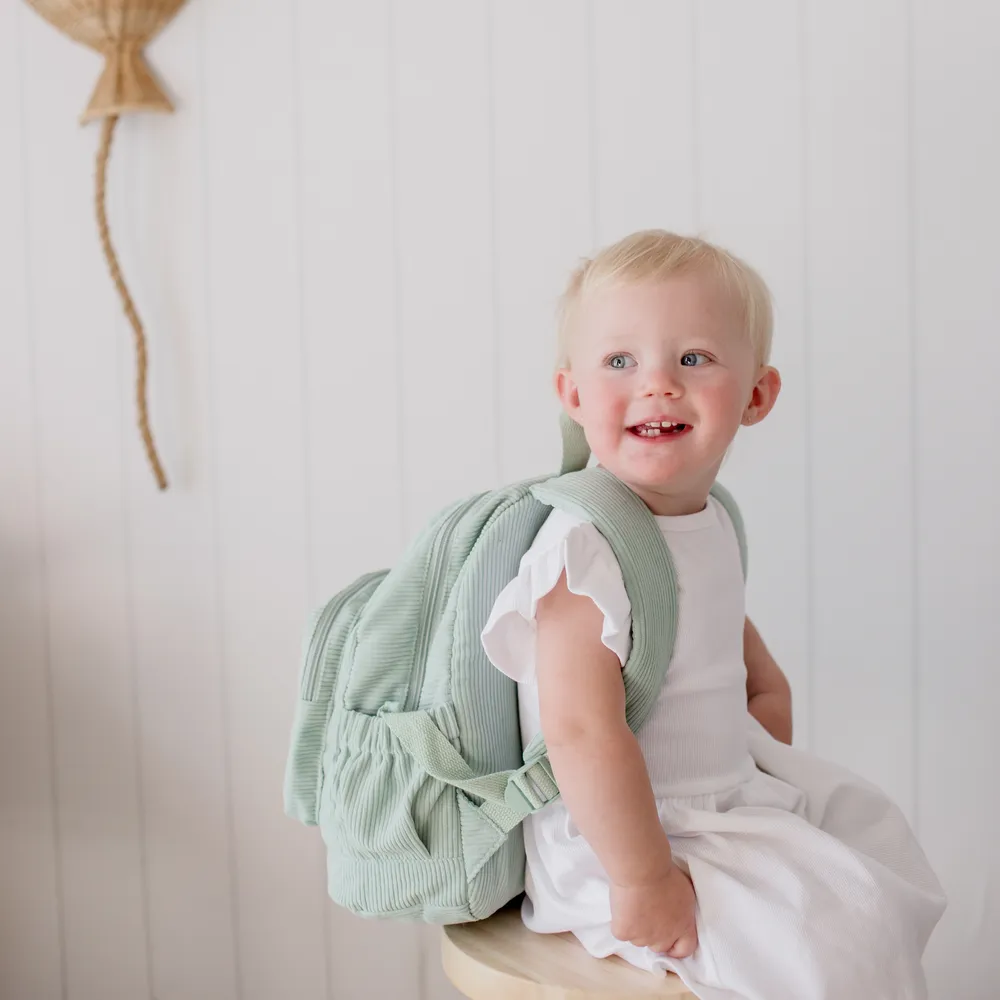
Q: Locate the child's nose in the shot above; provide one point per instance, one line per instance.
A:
(662, 381)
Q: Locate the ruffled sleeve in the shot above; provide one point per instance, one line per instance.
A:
(564, 542)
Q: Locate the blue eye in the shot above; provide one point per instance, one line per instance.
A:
(691, 359)
(620, 361)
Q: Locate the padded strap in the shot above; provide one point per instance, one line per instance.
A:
(575, 450)
(647, 570)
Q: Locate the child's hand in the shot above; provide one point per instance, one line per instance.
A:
(658, 914)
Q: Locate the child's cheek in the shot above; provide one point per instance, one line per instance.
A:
(603, 401)
(722, 399)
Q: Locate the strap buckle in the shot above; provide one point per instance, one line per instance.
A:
(531, 787)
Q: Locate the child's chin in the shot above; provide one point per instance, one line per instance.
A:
(653, 473)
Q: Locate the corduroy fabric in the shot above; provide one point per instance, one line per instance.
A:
(328, 632)
(406, 745)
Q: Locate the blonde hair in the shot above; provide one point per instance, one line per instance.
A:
(656, 254)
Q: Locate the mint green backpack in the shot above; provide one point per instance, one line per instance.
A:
(406, 748)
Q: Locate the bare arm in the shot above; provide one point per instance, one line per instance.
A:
(594, 755)
(769, 696)
(602, 775)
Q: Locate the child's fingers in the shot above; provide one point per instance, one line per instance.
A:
(684, 946)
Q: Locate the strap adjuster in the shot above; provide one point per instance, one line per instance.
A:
(531, 787)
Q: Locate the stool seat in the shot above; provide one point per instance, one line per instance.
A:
(500, 959)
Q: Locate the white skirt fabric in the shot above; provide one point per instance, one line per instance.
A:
(809, 886)
(809, 882)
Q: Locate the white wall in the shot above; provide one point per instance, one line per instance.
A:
(346, 246)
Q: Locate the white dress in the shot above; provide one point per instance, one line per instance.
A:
(809, 882)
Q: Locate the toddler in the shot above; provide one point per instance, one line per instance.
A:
(704, 844)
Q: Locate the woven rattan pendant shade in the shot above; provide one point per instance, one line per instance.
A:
(118, 30)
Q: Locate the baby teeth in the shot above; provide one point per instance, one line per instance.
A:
(654, 428)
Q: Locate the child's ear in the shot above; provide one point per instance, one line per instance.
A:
(568, 393)
(763, 396)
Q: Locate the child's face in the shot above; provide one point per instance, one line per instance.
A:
(671, 351)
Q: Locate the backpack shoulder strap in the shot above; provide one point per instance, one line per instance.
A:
(726, 499)
(575, 450)
(647, 570)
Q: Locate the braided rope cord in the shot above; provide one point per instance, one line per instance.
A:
(142, 360)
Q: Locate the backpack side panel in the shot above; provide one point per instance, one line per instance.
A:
(485, 701)
(396, 836)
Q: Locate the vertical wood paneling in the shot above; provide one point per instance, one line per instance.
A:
(258, 463)
(444, 245)
(352, 369)
(643, 93)
(30, 932)
(543, 209)
(860, 408)
(748, 161)
(160, 229)
(349, 272)
(77, 331)
(956, 80)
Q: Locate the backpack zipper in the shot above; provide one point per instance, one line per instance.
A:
(430, 612)
(312, 673)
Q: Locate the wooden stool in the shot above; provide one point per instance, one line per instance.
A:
(500, 959)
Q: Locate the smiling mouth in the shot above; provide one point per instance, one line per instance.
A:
(658, 428)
